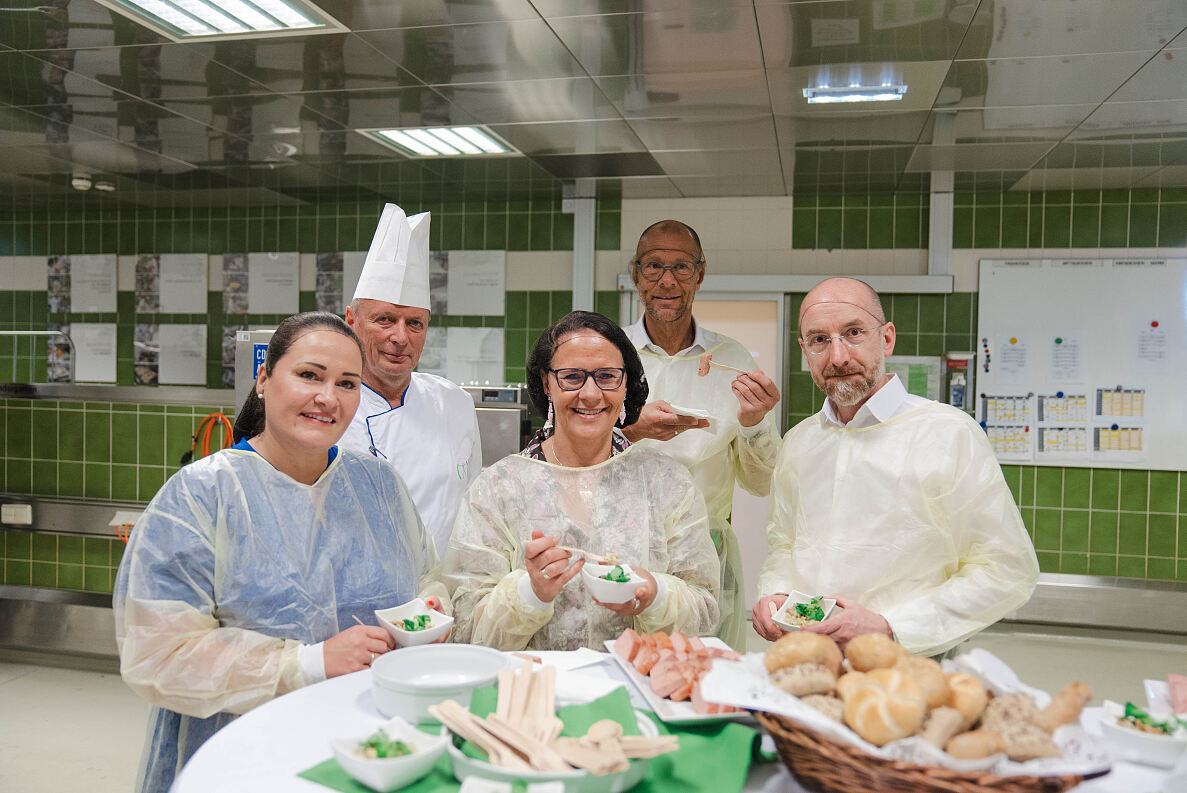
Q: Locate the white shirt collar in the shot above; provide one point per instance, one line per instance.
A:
(703, 339)
(887, 402)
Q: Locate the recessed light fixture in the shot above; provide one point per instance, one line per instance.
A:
(185, 20)
(105, 187)
(81, 181)
(422, 142)
(855, 93)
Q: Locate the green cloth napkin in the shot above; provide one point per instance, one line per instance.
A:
(713, 758)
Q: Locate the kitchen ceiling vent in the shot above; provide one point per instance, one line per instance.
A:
(204, 20)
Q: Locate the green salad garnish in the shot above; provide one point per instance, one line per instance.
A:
(617, 575)
(812, 610)
(379, 745)
(418, 623)
(1141, 720)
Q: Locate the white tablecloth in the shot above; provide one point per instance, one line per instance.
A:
(264, 750)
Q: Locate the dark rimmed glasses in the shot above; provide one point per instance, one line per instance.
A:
(608, 378)
(654, 270)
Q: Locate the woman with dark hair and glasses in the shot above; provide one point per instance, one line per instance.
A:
(242, 577)
(579, 484)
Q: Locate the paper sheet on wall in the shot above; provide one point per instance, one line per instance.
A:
(183, 283)
(352, 268)
(60, 355)
(1151, 345)
(94, 350)
(183, 354)
(92, 283)
(273, 283)
(1013, 360)
(1065, 359)
(475, 283)
(146, 354)
(474, 355)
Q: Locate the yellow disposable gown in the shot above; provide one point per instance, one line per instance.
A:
(233, 565)
(640, 505)
(717, 456)
(910, 517)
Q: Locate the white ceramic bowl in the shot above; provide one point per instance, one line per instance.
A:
(610, 591)
(390, 773)
(1142, 747)
(576, 781)
(406, 682)
(392, 620)
(781, 617)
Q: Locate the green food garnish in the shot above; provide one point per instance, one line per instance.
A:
(417, 623)
(1136, 716)
(811, 610)
(379, 745)
(617, 575)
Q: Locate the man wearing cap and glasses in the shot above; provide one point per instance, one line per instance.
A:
(424, 425)
(892, 503)
(741, 441)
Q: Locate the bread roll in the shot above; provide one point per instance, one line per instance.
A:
(1065, 706)
(804, 679)
(848, 683)
(967, 695)
(802, 647)
(829, 706)
(930, 678)
(1025, 741)
(888, 707)
(874, 651)
(940, 725)
(975, 745)
(1009, 709)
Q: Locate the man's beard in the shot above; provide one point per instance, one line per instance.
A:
(847, 393)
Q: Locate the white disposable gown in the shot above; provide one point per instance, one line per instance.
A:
(233, 565)
(717, 456)
(640, 505)
(910, 517)
(431, 439)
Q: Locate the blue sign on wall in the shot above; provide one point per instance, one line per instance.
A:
(259, 355)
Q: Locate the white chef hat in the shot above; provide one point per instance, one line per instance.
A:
(396, 269)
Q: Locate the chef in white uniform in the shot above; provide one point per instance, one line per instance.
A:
(422, 424)
(741, 439)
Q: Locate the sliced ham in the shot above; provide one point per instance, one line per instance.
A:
(627, 645)
(696, 643)
(1178, 687)
(700, 705)
(680, 642)
(662, 640)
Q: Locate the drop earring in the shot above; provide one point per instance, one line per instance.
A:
(548, 421)
(622, 415)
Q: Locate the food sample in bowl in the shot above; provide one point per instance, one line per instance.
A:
(414, 623)
(1137, 719)
(801, 609)
(418, 623)
(617, 575)
(611, 583)
(803, 613)
(378, 744)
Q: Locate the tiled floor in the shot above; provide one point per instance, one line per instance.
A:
(68, 730)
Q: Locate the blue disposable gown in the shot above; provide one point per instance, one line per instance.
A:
(233, 566)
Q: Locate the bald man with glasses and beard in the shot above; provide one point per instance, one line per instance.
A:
(892, 503)
(740, 446)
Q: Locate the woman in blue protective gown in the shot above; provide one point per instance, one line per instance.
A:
(242, 579)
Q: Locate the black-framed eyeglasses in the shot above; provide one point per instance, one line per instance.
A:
(654, 270)
(608, 378)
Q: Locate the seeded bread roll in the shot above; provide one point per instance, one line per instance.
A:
(968, 696)
(874, 651)
(1025, 741)
(804, 679)
(940, 725)
(829, 706)
(802, 647)
(975, 745)
(1009, 709)
(1065, 706)
(888, 707)
(930, 678)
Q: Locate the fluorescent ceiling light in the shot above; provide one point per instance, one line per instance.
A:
(183, 20)
(855, 93)
(443, 141)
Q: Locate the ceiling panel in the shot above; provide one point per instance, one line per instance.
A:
(755, 132)
(1082, 178)
(571, 137)
(531, 101)
(977, 156)
(720, 95)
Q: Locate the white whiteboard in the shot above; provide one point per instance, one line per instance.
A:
(1083, 362)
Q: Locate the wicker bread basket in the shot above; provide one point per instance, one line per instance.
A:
(830, 766)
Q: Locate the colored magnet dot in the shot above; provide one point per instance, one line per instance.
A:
(1114, 427)
(1154, 324)
(1013, 340)
(1059, 340)
(1059, 394)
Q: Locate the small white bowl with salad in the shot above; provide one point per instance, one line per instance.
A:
(1156, 739)
(800, 609)
(611, 583)
(414, 623)
(391, 757)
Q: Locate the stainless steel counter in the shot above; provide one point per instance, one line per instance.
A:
(1127, 604)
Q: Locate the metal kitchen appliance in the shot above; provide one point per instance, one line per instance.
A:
(504, 423)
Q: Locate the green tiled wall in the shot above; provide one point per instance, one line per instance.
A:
(60, 561)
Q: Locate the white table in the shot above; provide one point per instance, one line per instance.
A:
(265, 749)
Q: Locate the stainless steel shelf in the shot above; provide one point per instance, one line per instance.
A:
(142, 395)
